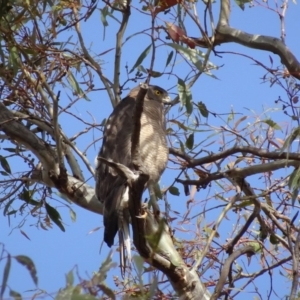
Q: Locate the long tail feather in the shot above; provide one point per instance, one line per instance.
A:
(124, 232)
(124, 241)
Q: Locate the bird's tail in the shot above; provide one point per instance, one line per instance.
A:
(124, 240)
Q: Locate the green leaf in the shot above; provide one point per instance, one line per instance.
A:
(70, 278)
(203, 110)
(5, 275)
(7, 206)
(272, 124)
(230, 116)
(157, 191)
(73, 215)
(15, 295)
(54, 216)
(28, 263)
(141, 58)
(294, 179)
(244, 204)
(256, 245)
(65, 294)
(14, 59)
(195, 56)
(154, 239)
(182, 148)
(288, 141)
(139, 263)
(5, 164)
(174, 191)
(153, 288)
(274, 240)
(155, 74)
(74, 83)
(142, 69)
(170, 56)
(241, 3)
(185, 96)
(14, 150)
(294, 184)
(26, 195)
(190, 141)
(180, 125)
(103, 14)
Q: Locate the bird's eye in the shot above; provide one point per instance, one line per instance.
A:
(157, 92)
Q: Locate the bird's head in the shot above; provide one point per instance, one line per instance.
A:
(157, 93)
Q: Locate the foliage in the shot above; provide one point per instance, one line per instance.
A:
(235, 169)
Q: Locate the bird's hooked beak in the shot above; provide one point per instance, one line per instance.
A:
(166, 100)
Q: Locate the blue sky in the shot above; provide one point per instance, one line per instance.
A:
(239, 87)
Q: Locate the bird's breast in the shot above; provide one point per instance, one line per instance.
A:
(153, 146)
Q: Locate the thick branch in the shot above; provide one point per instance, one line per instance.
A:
(22, 135)
(75, 190)
(242, 173)
(295, 274)
(155, 245)
(226, 269)
(191, 162)
(42, 125)
(226, 34)
(153, 240)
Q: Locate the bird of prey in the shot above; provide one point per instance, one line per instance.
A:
(111, 189)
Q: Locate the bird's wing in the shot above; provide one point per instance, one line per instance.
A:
(110, 187)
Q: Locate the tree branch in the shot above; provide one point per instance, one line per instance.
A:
(295, 274)
(226, 269)
(90, 59)
(155, 245)
(77, 191)
(226, 34)
(125, 14)
(22, 135)
(67, 144)
(245, 172)
(191, 162)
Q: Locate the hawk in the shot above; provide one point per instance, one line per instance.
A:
(111, 189)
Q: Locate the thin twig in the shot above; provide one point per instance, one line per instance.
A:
(57, 131)
(104, 80)
(215, 228)
(118, 54)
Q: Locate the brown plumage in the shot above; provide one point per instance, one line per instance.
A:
(111, 189)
